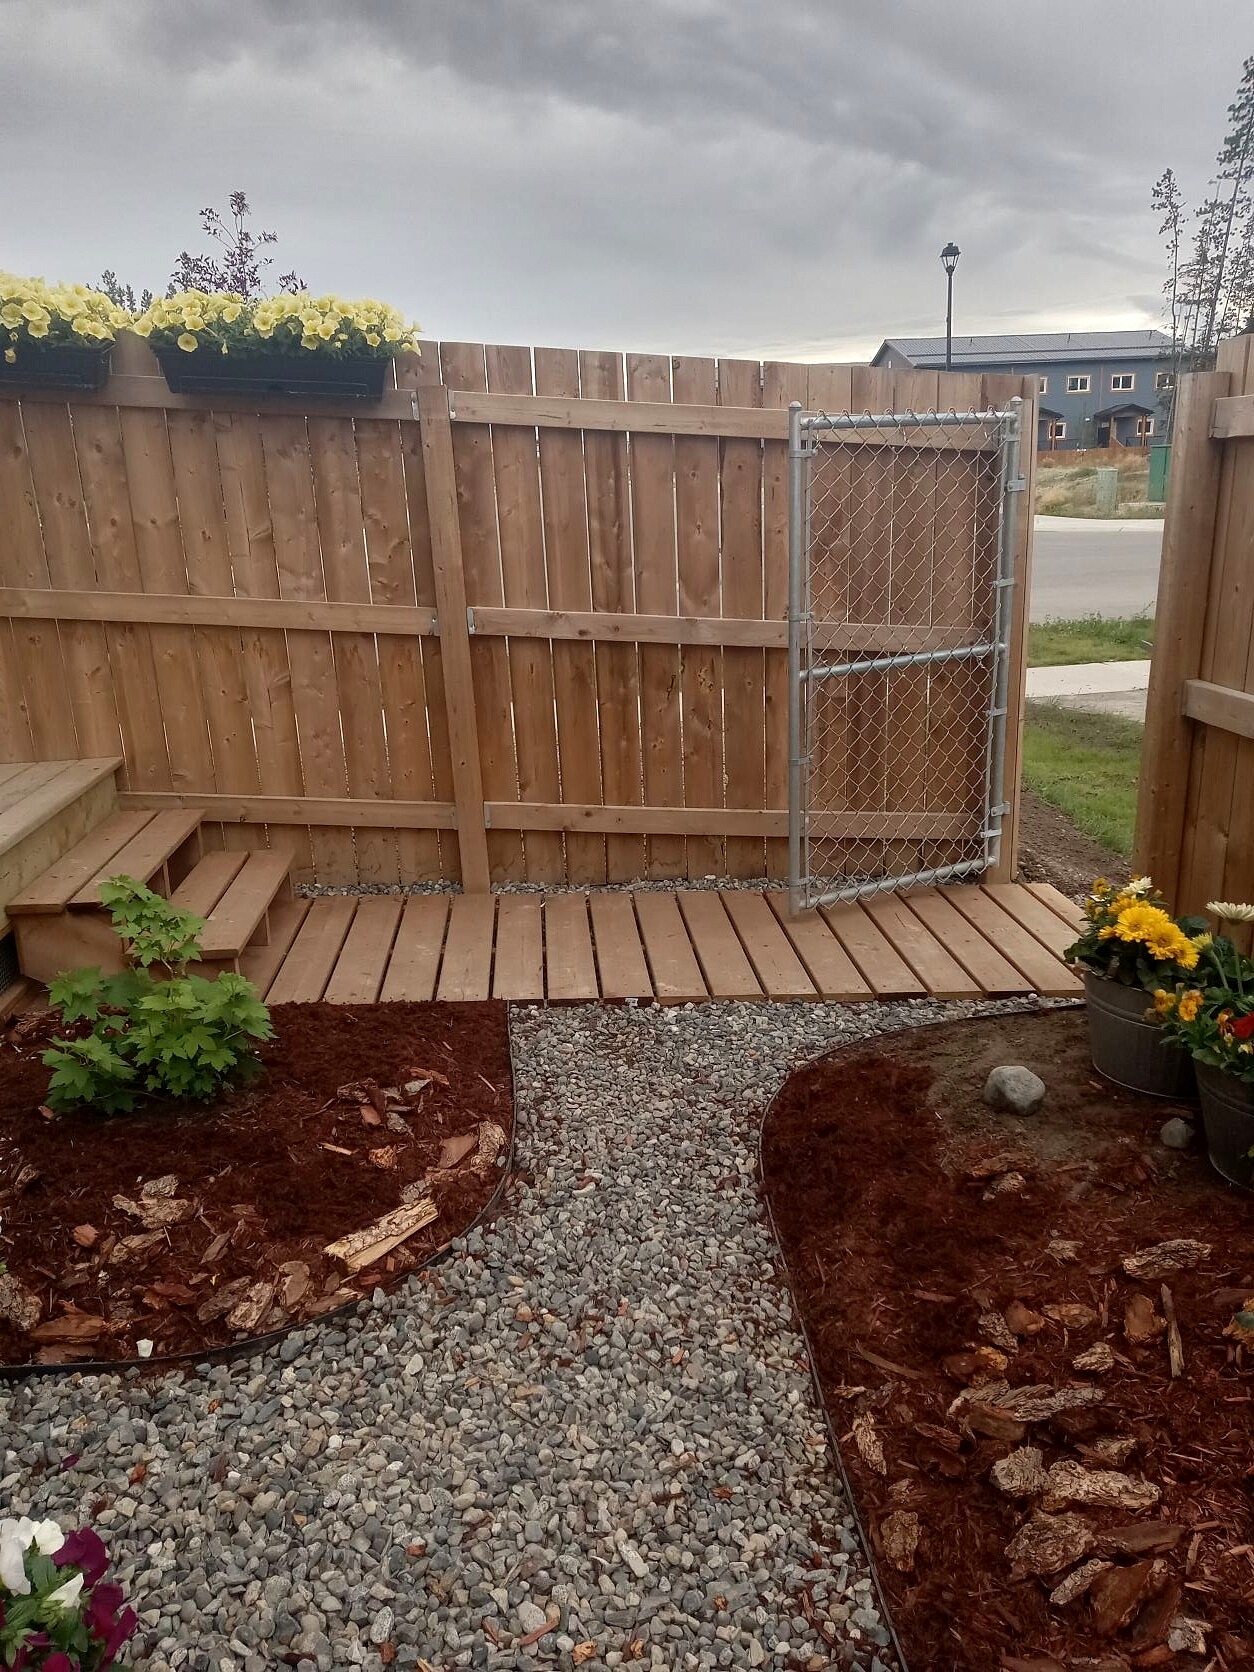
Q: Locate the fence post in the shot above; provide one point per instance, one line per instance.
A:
(1184, 581)
(1007, 866)
(454, 630)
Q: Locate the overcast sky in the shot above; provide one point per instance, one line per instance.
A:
(767, 177)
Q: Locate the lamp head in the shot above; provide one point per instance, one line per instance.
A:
(949, 257)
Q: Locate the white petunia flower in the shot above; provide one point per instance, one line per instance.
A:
(47, 1537)
(66, 1596)
(13, 1547)
(1231, 911)
(1139, 885)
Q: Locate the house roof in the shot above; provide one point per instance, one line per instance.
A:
(1125, 409)
(1038, 348)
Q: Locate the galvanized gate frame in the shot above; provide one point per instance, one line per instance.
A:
(1005, 431)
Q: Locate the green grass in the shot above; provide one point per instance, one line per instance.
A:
(1086, 765)
(1091, 638)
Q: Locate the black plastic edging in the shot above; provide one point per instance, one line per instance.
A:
(833, 1442)
(245, 1348)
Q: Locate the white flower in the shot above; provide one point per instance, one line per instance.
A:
(47, 1537)
(1231, 911)
(14, 1540)
(66, 1596)
(1139, 885)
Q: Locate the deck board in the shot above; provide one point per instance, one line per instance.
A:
(674, 945)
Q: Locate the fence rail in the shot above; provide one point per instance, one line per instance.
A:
(524, 620)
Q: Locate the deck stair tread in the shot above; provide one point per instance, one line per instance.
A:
(54, 888)
(204, 885)
(144, 855)
(237, 915)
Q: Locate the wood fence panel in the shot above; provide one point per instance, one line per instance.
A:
(584, 678)
(618, 670)
(516, 466)
(569, 577)
(744, 671)
(652, 466)
(697, 551)
(463, 367)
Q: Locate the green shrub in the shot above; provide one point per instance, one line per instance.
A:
(156, 1030)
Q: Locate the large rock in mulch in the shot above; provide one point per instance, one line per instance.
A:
(1164, 1258)
(1177, 1134)
(1015, 1089)
(1072, 1483)
(1046, 1544)
(19, 1305)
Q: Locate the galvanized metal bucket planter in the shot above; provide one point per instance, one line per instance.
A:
(58, 366)
(1130, 1050)
(1228, 1120)
(207, 371)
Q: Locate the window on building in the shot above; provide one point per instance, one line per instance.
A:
(1123, 380)
(1164, 380)
(1144, 428)
(1079, 383)
(1057, 429)
(1042, 386)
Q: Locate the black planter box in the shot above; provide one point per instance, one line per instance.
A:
(57, 366)
(207, 371)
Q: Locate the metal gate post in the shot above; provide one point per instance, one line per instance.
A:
(1012, 483)
(797, 559)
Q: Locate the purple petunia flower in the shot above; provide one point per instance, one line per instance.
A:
(59, 1662)
(123, 1629)
(84, 1549)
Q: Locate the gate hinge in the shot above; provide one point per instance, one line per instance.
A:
(1017, 484)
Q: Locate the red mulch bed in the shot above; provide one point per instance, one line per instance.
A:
(273, 1172)
(895, 1249)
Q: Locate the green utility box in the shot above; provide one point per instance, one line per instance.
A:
(1159, 459)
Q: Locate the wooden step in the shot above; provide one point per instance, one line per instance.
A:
(238, 914)
(45, 810)
(202, 887)
(54, 888)
(262, 961)
(147, 855)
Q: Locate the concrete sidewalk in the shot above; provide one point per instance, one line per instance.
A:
(1097, 687)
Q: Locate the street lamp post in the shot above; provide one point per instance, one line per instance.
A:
(949, 260)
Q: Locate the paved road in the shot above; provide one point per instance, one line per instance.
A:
(1086, 567)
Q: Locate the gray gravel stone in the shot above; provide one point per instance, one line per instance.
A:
(1014, 1089)
(447, 1455)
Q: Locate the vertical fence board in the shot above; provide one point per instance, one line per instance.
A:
(569, 576)
(697, 545)
(782, 383)
(652, 466)
(298, 561)
(463, 368)
(358, 687)
(36, 644)
(516, 466)
(744, 671)
(618, 672)
(224, 681)
(393, 541)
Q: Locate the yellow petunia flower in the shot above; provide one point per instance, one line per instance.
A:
(187, 342)
(37, 328)
(10, 355)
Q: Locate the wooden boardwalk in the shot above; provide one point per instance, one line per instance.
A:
(674, 945)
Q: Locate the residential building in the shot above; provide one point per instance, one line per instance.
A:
(1097, 388)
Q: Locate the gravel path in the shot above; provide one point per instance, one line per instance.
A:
(598, 1415)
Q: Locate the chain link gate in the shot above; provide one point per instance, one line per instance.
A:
(902, 554)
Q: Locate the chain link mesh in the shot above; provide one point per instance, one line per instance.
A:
(899, 652)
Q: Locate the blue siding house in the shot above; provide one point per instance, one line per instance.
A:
(1097, 388)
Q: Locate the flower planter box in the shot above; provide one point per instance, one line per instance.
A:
(58, 366)
(1128, 1049)
(207, 371)
(1228, 1120)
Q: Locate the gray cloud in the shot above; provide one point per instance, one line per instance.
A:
(694, 175)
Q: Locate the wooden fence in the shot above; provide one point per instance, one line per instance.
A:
(1195, 816)
(523, 620)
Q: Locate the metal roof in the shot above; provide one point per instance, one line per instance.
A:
(1037, 348)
